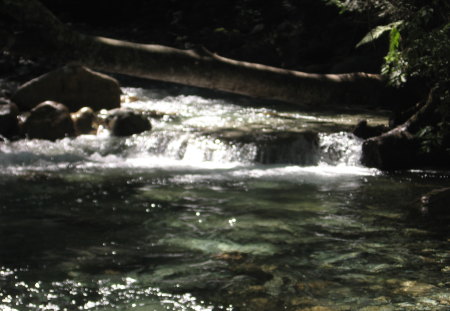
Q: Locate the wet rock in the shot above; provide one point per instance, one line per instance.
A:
(49, 120)
(364, 130)
(436, 202)
(85, 121)
(275, 146)
(75, 86)
(289, 148)
(126, 122)
(9, 126)
(395, 149)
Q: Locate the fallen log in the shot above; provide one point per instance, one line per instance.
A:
(198, 67)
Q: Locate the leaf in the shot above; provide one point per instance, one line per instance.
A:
(377, 32)
(394, 40)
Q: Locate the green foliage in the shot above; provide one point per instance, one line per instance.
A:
(434, 138)
(420, 49)
(377, 32)
(420, 46)
(395, 65)
(430, 138)
(429, 52)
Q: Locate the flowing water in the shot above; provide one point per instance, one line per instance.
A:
(226, 204)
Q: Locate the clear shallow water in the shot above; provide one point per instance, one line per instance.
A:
(179, 220)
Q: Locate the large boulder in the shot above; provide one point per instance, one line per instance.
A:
(126, 122)
(49, 120)
(9, 126)
(74, 85)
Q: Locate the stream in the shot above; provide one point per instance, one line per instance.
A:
(227, 204)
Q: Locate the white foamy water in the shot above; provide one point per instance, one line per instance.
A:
(180, 139)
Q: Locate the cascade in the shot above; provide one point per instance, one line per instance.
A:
(198, 131)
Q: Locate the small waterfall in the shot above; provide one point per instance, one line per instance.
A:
(193, 147)
(288, 148)
(197, 131)
(232, 146)
(340, 149)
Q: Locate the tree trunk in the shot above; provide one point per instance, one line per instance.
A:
(199, 68)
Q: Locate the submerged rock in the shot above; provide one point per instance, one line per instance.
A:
(75, 86)
(296, 147)
(9, 126)
(436, 202)
(126, 122)
(85, 121)
(49, 120)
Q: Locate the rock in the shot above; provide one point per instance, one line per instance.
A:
(49, 120)
(365, 131)
(275, 147)
(436, 202)
(395, 149)
(126, 122)
(75, 86)
(9, 126)
(85, 121)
